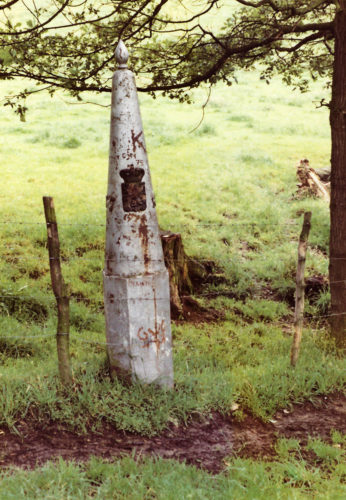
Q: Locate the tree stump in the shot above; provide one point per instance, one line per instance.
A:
(177, 264)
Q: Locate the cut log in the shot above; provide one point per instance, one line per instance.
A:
(319, 185)
(310, 181)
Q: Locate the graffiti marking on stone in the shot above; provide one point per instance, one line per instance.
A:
(136, 140)
(138, 283)
(156, 336)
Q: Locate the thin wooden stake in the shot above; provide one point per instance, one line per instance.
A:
(60, 290)
(300, 288)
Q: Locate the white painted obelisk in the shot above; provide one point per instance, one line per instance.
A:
(136, 286)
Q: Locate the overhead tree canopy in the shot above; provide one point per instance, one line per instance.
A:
(70, 44)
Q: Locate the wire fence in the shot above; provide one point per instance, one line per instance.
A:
(210, 294)
(72, 338)
(68, 257)
(191, 223)
(79, 338)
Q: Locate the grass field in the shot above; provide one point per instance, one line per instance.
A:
(229, 188)
(287, 478)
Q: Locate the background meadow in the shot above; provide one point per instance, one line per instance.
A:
(229, 187)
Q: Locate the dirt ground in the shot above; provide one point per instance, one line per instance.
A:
(204, 442)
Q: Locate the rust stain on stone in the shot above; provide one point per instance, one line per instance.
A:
(132, 217)
(128, 155)
(109, 259)
(110, 200)
(158, 345)
(143, 235)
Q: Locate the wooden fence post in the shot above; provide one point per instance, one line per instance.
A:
(60, 290)
(300, 288)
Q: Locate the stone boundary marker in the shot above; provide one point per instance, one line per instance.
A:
(136, 284)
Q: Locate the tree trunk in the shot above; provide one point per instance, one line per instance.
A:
(337, 263)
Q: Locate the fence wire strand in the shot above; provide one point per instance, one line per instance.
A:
(229, 221)
(79, 338)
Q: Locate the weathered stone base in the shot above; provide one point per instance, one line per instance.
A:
(138, 328)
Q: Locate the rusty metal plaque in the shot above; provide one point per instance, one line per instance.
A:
(133, 190)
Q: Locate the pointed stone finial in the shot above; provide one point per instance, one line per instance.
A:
(121, 55)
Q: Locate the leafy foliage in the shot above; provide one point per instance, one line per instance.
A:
(174, 48)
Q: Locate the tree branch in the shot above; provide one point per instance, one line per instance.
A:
(242, 50)
(38, 26)
(8, 4)
(303, 41)
(296, 11)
